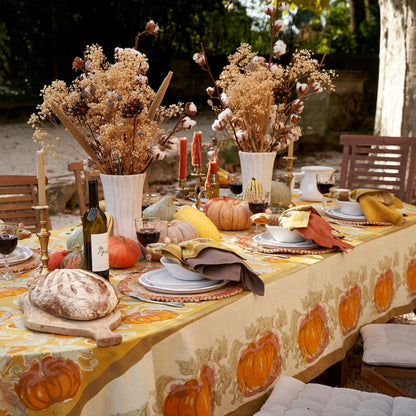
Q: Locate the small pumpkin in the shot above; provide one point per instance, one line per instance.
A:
(349, 308)
(229, 214)
(177, 231)
(75, 240)
(73, 260)
(123, 252)
(55, 259)
(383, 291)
(253, 185)
(164, 209)
(52, 380)
(259, 365)
(411, 276)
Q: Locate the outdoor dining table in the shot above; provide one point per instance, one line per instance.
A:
(221, 353)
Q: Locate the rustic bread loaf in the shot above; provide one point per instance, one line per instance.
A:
(73, 294)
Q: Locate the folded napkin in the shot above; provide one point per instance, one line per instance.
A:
(378, 206)
(296, 217)
(214, 261)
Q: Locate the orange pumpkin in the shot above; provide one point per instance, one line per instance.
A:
(177, 231)
(349, 308)
(383, 291)
(149, 316)
(313, 335)
(229, 214)
(123, 252)
(259, 365)
(411, 276)
(193, 398)
(53, 380)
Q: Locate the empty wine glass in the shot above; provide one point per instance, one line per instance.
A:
(324, 182)
(257, 203)
(148, 232)
(235, 183)
(8, 243)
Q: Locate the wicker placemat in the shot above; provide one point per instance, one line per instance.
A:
(352, 222)
(31, 263)
(248, 243)
(131, 284)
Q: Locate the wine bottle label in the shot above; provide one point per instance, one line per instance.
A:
(99, 252)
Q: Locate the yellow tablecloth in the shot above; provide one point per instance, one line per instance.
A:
(218, 357)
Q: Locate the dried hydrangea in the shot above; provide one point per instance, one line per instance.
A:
(112, 112)
(260, 101)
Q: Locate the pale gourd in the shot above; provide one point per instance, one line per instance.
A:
(75, 240)
(164, 209)
(280, 194)
(176, 231)
(253, 186)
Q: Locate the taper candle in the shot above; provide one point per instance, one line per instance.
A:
(290, 151)
(196, 149)
(183, 152)
(41, 178)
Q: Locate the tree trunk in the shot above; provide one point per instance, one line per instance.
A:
(357, 11)
(395, 112)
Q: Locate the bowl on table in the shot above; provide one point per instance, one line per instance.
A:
(176, 270)
(284, 235)
(350, 208)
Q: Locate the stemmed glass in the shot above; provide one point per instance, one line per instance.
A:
(148, 232)
(8, 243)
(324, 182)
(235, 183)
(258, 202)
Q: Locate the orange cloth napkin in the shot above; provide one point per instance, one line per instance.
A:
(320, 232)
(378, 206)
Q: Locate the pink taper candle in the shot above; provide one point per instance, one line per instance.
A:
(41, 177)
(183, 151)
(196, 149)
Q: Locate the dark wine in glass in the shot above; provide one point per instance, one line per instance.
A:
(148, 236)
(8, 243)
(324, 183)
(257, 203)
(235, 183)
(324, 188)
(148, 232)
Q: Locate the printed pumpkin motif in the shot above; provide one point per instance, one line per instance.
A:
(194, 398)
(12, 291)
(50, 381)
(383, 291)
(149, 316)
(349, 309)
(411, 276)
(313, 335)
(259, 365)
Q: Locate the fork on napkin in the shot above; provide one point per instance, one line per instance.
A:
(214, 261)
(378, 205)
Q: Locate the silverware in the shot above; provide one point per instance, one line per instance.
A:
(142, 298)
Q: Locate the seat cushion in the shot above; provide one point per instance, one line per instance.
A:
(389, 345)
(291, 397)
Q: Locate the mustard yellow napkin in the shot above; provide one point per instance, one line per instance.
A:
(296, 217)
(214, 261)
(378, 206)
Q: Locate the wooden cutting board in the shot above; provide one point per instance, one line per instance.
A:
(99, 329)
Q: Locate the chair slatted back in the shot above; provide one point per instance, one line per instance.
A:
(81, 181)
(379, 162)
(17, 198)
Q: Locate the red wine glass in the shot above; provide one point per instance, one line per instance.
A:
(324, 182)
(257, 203)
(235, 183)
(8, 243)
(148, 232)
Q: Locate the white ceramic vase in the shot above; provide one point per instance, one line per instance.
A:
(257, 165)
(123, 195)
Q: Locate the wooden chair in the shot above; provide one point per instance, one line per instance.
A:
(81, 181)
(389, 351)
(379, 162)
(17, 198)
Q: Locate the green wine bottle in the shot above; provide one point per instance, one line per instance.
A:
(94, 227)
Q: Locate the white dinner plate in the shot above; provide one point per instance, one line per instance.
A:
(266, 239)
(162, 281)
(19, 255)
(336, 213)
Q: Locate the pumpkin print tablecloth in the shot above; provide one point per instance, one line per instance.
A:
(204, 358)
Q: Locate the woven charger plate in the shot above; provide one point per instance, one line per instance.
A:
(249, 243)
(30, 263)
(131, 284)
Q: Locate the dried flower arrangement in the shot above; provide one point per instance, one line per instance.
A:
(260, 101)
(112, 112)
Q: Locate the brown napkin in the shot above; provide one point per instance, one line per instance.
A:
(320, 231)
(214, 261)
(378, 206)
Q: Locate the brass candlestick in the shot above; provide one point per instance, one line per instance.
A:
(289, 174)
(183, 188)
(198, 190)
(43, 236)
